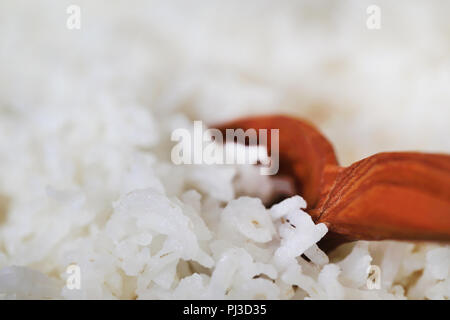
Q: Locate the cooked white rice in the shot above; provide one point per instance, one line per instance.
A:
(85, 120)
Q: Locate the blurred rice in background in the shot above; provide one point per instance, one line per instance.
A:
(369, 90)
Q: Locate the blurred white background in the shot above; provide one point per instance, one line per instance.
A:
(368, 90)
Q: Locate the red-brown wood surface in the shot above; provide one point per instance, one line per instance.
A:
(391, 196)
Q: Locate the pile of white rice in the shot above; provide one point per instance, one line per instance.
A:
(85, 120)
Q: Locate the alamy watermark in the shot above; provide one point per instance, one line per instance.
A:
(73, 281)
(211, 147)
(74, 20)
(373, 21)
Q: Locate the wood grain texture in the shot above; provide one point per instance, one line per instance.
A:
(391, 196)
